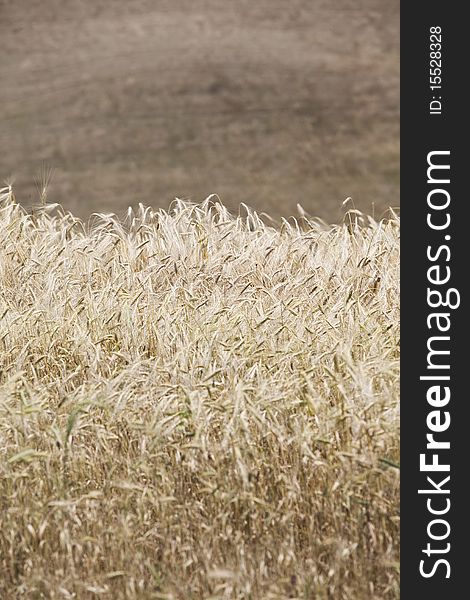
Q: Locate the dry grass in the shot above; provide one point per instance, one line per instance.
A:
(197, 406)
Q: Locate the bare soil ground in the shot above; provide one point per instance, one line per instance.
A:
(269, 103)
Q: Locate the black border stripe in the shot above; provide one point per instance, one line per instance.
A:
(422, 133)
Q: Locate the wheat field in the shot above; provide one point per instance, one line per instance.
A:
(198, 405)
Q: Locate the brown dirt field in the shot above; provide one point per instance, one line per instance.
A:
(268, 103)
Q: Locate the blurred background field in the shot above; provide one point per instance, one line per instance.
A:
(268, 103)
